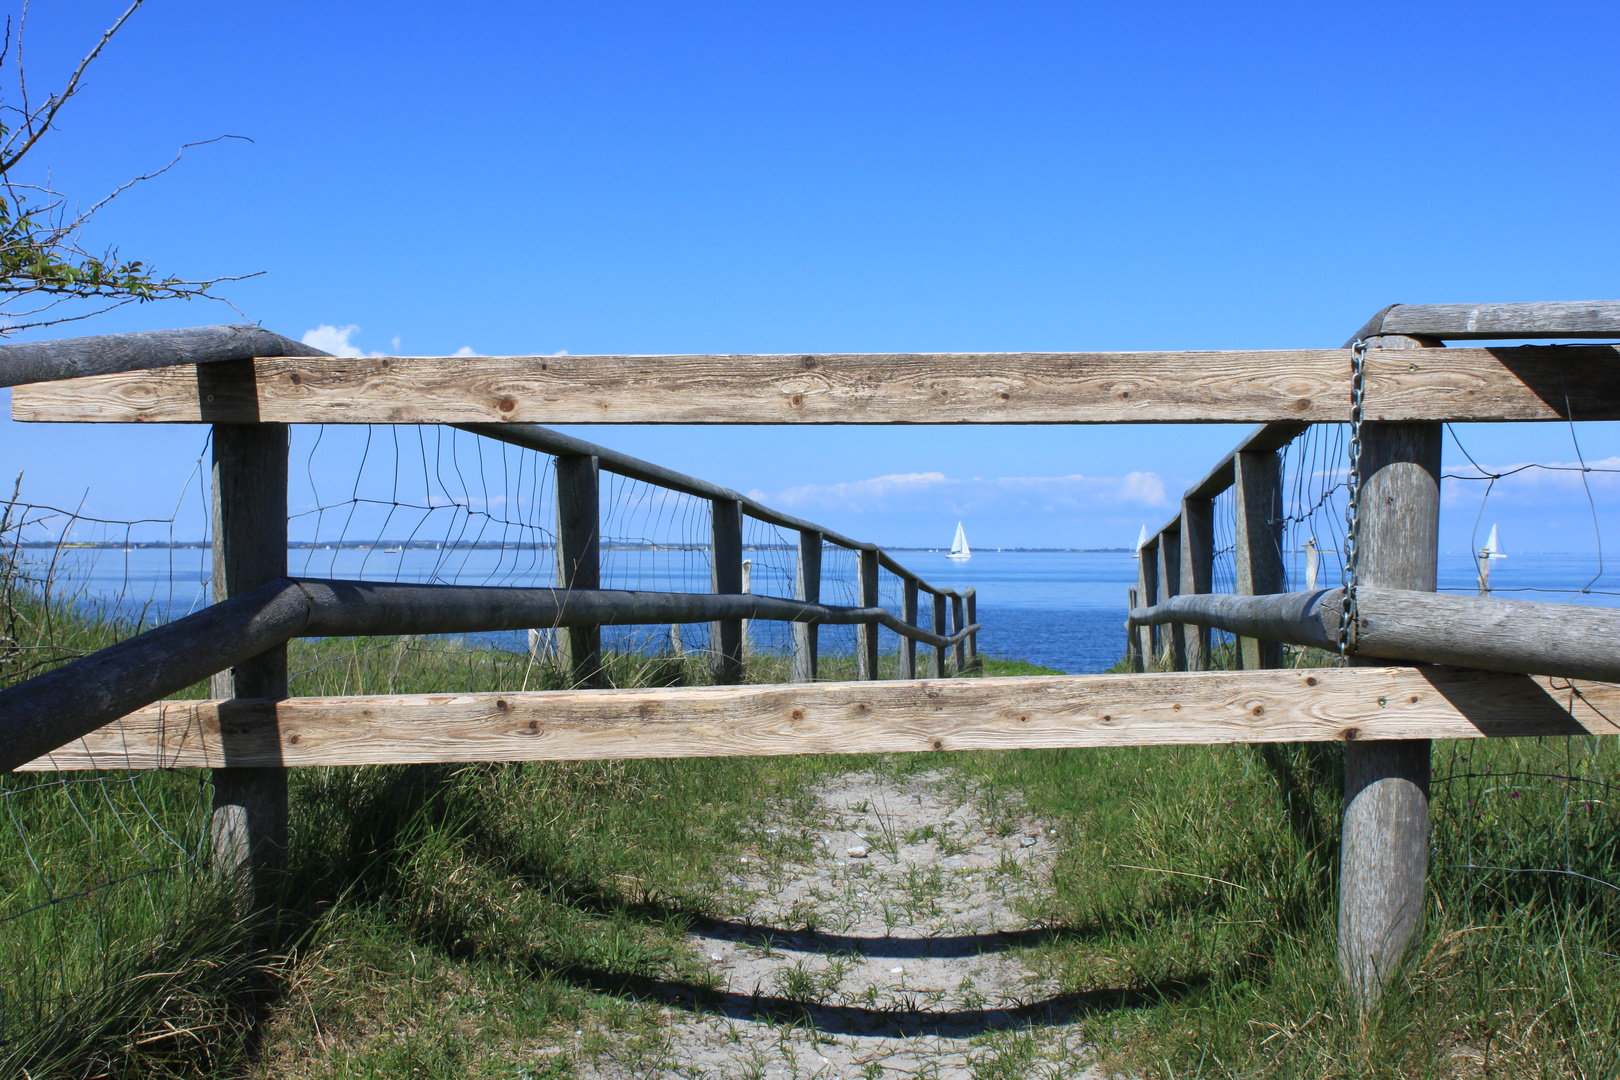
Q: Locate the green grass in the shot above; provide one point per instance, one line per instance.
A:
(448, 921)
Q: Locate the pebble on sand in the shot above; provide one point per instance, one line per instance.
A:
(859, 851)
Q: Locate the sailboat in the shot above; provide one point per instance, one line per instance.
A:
(1484, 557)
(959, 546)
(1141, 541)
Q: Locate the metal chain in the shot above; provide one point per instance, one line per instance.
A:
(1350, 613)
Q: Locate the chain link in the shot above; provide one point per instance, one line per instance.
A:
(1350, 613)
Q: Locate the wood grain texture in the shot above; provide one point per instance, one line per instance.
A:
(1307, 705)
(1310, 386)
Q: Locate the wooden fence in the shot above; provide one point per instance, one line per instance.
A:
(249, 385)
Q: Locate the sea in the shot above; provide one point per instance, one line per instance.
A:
(1063, 610)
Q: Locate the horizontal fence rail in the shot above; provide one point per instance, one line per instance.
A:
(1521, 636)
(1301, 386)
(921, 716)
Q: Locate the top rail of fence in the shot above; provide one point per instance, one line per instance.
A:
(129, 384)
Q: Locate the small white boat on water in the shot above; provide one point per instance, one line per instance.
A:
(959, 546)
(1483, 558)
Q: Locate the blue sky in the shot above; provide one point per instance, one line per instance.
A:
(528, 178)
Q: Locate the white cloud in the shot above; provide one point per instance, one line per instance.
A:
(335, 340)
(933, 491)
(465, 350)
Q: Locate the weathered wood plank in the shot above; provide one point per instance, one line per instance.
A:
(71, 358)
(1473, 322)
(1303, 705)
(995, 388)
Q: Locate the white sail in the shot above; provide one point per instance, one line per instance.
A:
(1489, 550)
(959, 546)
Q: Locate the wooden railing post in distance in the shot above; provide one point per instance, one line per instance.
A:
(1174, 643)
(908, 613)
(1197, 570)
(939, 628)
(1258, 513)
(1133, 639)
(972, 618)
(579, 560)
(248, 830)
(958, 617)
(807, 587)
(1386, 784)
(1147, 591)
(866, 634)
(725, 564)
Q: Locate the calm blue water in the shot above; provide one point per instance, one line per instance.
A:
(1063, 610)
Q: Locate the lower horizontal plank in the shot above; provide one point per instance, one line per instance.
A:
(1303, 705)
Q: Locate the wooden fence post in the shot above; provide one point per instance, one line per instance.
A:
(1258, 538)
(908, 614)
(958, 621)
(1197, 570)
(1133, 639)
(248, 829)
(725, 564)
(866, 634)
(972, 618)
(939, 628)
(1174, 643)
(1147, 591)
(579, 560)
(747, 587)
(1386, 784)
(807, 587)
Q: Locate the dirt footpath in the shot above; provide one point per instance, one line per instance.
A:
(894, 952)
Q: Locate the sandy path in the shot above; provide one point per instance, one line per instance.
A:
(900, 963)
